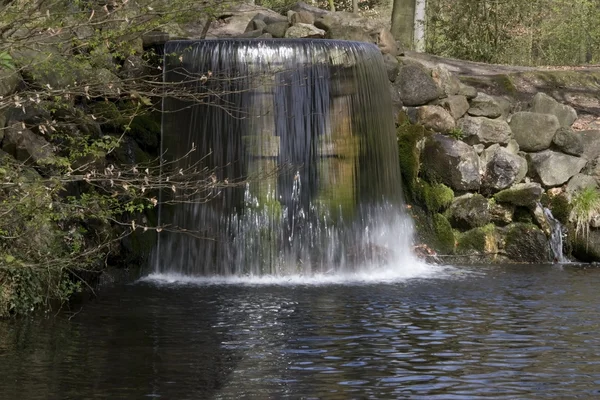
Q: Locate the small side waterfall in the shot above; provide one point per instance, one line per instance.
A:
(556, 237)
(309, 124)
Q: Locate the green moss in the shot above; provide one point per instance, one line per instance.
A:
(145, 130)
(408, 136)
(560, 207)
(435, 197)
(444, 234)
(506, 83)
(522, 214)
(477, 240)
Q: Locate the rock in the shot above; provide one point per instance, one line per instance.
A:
(256, 24)
(343, 32)
(279, 29)
(521, 194)
(468, 91)
(304, 31)
(302, 17)
(451, 162)
(26, 146)
(591, 143)
(9, 80)
(392, 66)
(234, 20)
(540, 218)
(435, 118)
(479, 241)
(568, 142)
(554, 168)
(469, 211)
(501, 214)
(415, 85)
(533, 132)
(484, 130)
(447, 82)
(484, 106)
(505, 105)
(316, 11)
(526, 243)
(544, 104)
(154, 38)
(586, 248)
(387, 43)
(579, 182)
(513, 146)
(456, 105)
(135, 67)
(502, 169)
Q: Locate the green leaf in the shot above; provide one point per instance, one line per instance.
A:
(8, 258)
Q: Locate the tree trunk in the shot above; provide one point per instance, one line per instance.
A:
(355, 6)
(331, 5)
(403, 22)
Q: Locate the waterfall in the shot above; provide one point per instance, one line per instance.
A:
(298, 145)
(556, 237)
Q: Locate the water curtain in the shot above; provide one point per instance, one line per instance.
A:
(297, 145)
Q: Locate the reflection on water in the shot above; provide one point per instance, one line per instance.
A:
(490, 332)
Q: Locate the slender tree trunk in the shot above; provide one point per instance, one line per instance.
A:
(403, 22)
(331, 5)
(355, 6)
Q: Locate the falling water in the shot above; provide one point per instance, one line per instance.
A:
(556, 237)
(297, 143)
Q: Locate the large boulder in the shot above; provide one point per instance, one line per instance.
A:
(469, 211)
(451, 162)
(415, 85)
(526, 243)
(392, 66)
(435, 118)
(533, 132)
(544, 104)
(448, 82)
(234, 20)
(279, 29)
(301, 30)
(302, 17)
(485, 106)
(484, 130)
(591, 143)
(468, 91)
(387, 43)
(26, 146)
(456, 105)
(579, 182)
(521, 194)
(502, 169)
(316, 11)
(554, 168)
(568, 142)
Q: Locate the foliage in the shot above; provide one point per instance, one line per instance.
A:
(445, 240)
(408, 136)
(435, 197)
(585, 206)
(537, 32)
(456, 133)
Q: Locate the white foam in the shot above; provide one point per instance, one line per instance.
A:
(367, 275)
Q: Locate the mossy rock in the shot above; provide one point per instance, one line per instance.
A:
(586, 248)
(523, 215)
(444, 234)
(408, 137)
(525, 242)
(483, 240)
(559, 206)
(435, 197)
(145, 130)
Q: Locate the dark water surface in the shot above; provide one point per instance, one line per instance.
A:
(510, 332)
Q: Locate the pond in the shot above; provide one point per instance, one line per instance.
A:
(494, 332)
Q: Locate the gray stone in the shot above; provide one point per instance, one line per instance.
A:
(501, 214)
(447, 82)
(415, 85)
(316, 11)
(591, 143)
(135, 67)
(26, 146)
(468, 91)
(513, 146)
(521, 194)
(533, 132)
(435, 118)
(568, 142)
(554, 168)
(579, 182)
(154, 38)
(9, 80)
(540, 218)
(301, 30)
(344, 32)
(277, 29)
(544, 104)
(250, 34)
(456, 105)
(484, 130)
(502, 169)
(484, 106)
(586, 247)
(387, 43)
(505, 105)
(451, 162)
(302, 17)
(526, 243)
(469, 211)
(392, 66)
(256, 25)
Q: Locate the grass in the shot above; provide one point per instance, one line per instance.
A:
(586, 205)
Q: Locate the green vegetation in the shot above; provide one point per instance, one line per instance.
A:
(445, 240)
(408, 136)
(585, 206)
(477, 240)
(435, 197)
(456, 133)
